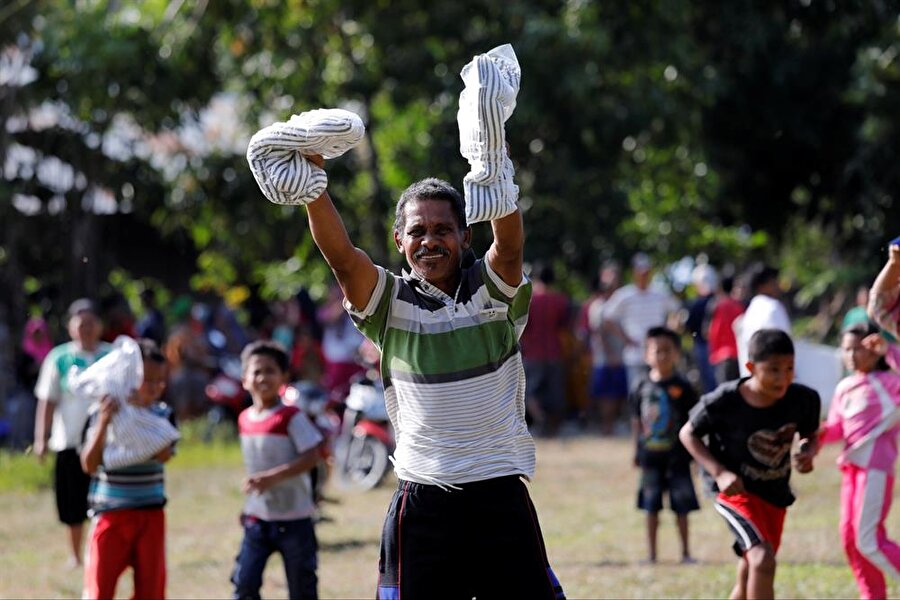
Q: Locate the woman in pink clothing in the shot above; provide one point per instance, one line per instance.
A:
(864, 415)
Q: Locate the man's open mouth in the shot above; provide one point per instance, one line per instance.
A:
(431, 255)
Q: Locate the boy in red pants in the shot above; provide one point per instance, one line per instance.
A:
(128, 524)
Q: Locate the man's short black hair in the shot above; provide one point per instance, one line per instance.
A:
(727, 284)
(767, 343)
(544, 273)
(150, 351)
(273, 350)
(430, 189)
(664, 332)
(761, 275)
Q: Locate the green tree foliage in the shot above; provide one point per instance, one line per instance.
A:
(670, 127)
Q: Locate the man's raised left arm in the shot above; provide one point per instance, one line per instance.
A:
(506, 253)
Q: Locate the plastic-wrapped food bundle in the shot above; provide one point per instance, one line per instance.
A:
(276, 153)
(135, 434)
(488, 100)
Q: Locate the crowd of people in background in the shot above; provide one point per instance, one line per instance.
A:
(600, 366)
(581, 358)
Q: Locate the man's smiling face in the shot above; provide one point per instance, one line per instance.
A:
(432, 242)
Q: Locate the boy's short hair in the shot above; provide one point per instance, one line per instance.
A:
(150, 351)
(664, 332)
(273, 350)
(767, 343)
(431, 188)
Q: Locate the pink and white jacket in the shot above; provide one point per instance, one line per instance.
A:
(865, 414)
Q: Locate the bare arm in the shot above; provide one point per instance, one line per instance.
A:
(506, 253)
(92, 453)
(884, 293)
(728, 483)
(42, 422)
(260, 482)
(354, 270)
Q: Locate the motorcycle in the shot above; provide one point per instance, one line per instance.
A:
(366, 439)
(227, 398)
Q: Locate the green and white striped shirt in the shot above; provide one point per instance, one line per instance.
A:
(453, 377)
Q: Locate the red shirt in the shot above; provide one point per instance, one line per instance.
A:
(548, 315)
(722, 343)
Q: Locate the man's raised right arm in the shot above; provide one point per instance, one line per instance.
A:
(354, 270)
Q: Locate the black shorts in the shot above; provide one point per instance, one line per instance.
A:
(71, 485)
(481, 541)
(674, 477)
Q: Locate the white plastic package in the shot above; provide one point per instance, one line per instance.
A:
(135, 434)
(488, 100)
(276, 153)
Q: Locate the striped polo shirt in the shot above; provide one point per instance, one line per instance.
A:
(453, 378)
(135, 486)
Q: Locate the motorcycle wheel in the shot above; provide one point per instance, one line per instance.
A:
(366, 463)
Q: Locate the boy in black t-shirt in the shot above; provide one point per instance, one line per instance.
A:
(659, 407)
(752, 423)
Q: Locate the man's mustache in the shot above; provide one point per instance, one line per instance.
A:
(423, 251)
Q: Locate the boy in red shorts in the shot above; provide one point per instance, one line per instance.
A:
(752, 423)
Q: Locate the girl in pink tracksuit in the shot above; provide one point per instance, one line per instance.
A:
(864, 414)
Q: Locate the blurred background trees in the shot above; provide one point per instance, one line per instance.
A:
(739, 130)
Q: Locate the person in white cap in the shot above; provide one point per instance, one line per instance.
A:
(706, 281)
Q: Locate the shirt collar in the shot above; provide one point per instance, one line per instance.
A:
(417, 281)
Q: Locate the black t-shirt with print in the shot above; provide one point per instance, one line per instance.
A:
(755, 443)
(661, 408)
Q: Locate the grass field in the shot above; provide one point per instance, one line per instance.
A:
(584, 491)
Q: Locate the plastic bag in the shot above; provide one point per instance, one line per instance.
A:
(135, 434)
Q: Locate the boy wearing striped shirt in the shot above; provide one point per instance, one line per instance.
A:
(126, 505)
(461, 523)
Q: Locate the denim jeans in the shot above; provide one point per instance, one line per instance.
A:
(295, 540)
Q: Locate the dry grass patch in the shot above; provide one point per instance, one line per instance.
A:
(584, 492)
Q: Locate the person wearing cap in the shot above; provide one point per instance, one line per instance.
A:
(706, 281)
(61, 417)
(635, 308)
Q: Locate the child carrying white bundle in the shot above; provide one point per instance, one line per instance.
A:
(135, 433)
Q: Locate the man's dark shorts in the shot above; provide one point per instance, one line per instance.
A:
(480, 541)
